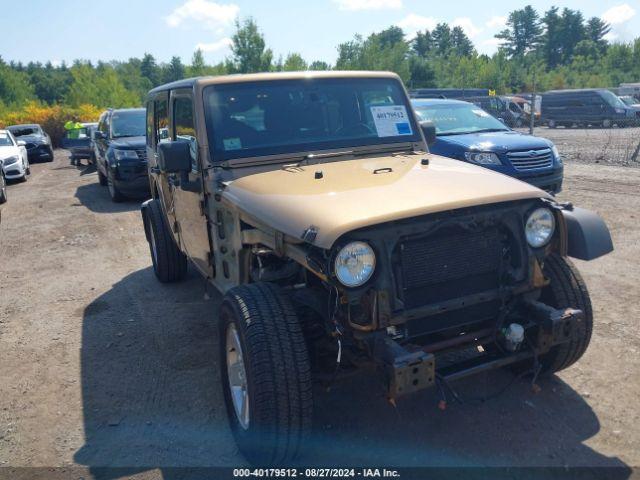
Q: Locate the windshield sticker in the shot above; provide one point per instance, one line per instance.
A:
(480, 113)
(391, 120)
(232, 144)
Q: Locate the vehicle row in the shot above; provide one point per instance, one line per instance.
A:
(588, 107)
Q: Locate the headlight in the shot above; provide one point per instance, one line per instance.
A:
(620, 110)
(11, 160)
(482, 158)
(355, 264)
(125, 154)
(556, 154)
(540, 227)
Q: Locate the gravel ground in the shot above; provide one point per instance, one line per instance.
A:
(100, 365)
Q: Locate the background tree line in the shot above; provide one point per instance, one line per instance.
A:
(558, 49)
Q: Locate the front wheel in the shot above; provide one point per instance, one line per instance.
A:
(114, 193)
(566, 290)
(266, 373)
(102, 179)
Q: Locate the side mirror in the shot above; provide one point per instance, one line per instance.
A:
(429, 132)
(174, 157)
(98, 134)
(21, 143)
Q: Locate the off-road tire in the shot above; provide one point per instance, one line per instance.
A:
(169, 263)
(566, 290)
(102, 180)
(278, 373)
(115, 194)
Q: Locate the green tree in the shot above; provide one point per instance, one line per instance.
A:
(422, 44)
(98, 86)
(461, 45)
(149, 69)
(523, 32)
(572, 32)
(319, 65)
(421, 74)
(15, 87)
(551, 40)
(198, 66)
(249, 53)
(596, 30)
(174, 70)
(441, 37)
(294, 63)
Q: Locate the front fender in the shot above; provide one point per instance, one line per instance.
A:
(588, 236)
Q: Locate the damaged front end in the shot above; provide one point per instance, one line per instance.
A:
(453, 294)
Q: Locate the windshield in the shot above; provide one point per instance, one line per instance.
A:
(629, 100)
(22, 131)
(5, 140)
(130, 123)
(291, 116)
(612, 99)
(459, 118)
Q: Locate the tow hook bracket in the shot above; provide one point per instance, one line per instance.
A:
(405, 371)
(556, 325)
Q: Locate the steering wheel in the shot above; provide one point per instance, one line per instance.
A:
(355, 129)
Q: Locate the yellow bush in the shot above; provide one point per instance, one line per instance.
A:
(51, 118)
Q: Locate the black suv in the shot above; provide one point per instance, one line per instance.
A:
(36, 140)
(120, 150)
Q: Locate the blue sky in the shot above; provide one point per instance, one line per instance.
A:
(119, 29)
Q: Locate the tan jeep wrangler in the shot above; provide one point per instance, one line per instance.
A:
(311, 202)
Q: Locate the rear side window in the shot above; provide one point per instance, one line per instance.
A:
(184, 126)
(149, 130)
(161, 121)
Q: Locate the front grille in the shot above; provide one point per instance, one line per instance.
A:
(450, 265)
(531, 159)
(142, 153)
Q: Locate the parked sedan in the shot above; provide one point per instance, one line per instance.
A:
(466, 132)
(13, 156)
(36, 141)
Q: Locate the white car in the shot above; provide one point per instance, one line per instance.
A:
(13, 157)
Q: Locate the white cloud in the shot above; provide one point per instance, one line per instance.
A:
(619, 14)
(413, 23)
(354, 5)
(221, 44)
(213, 15)
(467, 25)
(496, 22)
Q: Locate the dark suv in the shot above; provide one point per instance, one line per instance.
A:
(120, 151)
(37, 141)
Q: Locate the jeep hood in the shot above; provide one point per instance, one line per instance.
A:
(358, 193)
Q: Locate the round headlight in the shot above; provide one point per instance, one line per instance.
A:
(540, 227)
(355, 264)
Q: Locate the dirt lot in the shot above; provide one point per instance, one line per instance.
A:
(100, 365)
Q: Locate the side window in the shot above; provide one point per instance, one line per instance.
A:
(150, 124)
(107, 125)
(184, 126)
(161, 121)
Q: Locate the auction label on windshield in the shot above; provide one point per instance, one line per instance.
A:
(391, 120)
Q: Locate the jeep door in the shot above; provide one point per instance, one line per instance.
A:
(157, 128)
(188, 195)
